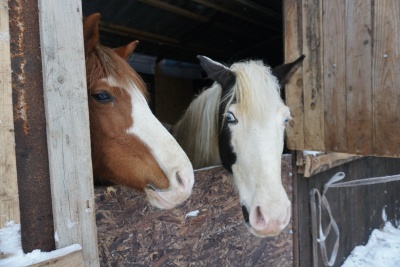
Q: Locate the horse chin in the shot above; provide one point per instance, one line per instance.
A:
(157, 200)
(261, 234)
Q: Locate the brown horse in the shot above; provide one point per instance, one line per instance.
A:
(129, 145)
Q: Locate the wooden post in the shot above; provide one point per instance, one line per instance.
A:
(9, 204)
(67, 117)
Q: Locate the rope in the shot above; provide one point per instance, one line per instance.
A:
(319, 204)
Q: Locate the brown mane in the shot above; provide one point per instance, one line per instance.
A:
(104, 62)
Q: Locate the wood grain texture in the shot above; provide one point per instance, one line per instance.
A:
(386, 78)
(9, 203)
(350, 76)
(294, 88)
(313, 83)
(335, 100)
(132, 233)
(67, 119)
(359, 77)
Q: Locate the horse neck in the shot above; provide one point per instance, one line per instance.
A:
(197, 131)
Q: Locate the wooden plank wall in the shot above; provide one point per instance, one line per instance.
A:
(9, 203)
(67, 119)
(345, 98)
(357, 210)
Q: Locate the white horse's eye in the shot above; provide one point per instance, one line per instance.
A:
(230, 118)
(287, 119)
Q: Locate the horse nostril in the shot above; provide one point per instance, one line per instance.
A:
(151, 187)
(245, 214)
(179, 180)
(259, 214)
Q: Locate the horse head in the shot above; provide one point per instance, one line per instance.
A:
(248, 117)
(129, 145)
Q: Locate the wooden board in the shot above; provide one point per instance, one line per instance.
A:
(131, 233)
(386, 78)
(9, 203)
(294, 89)
(349, 101)
(74, 259)
(67, 119)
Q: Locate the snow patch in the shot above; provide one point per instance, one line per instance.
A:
(382, 249)
(192, 213)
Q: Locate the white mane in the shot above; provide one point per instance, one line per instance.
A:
(196, 131)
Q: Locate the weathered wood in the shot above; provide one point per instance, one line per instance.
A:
(73, 259)
(334, 35)
(350, 102)
(313, 69)
(9, 203)
(358, 78)
(133, 233)
(323, 162)
(68, 126)
(386, 78)
(294, 88)
(36, 214)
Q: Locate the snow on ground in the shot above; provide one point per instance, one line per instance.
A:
(382, 249)
(10, 244)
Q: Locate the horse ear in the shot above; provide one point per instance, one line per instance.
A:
(91, 32)
(218, 72)
(285, 72)
(126, 51)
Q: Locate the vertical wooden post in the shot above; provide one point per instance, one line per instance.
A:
(9, 204)
(67, 117)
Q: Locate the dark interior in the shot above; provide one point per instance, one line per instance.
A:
(224, 30)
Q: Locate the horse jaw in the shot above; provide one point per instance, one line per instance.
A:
(177, 168)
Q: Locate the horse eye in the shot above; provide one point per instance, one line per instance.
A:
(287, 119)
(102, 97)
(230, 118)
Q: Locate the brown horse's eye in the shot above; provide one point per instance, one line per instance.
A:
(102, 97)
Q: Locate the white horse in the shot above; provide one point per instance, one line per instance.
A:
(240, 122)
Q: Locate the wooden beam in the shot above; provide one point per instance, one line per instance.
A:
(159, 39)
(193, 16)
(227, 10)
(262, 9)
(174, 9)
(323, 162)
(67, 116)
(9, 203)
(73, 259)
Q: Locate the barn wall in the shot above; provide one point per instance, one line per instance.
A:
(345, 98)
(357, 210)
(172, 96)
